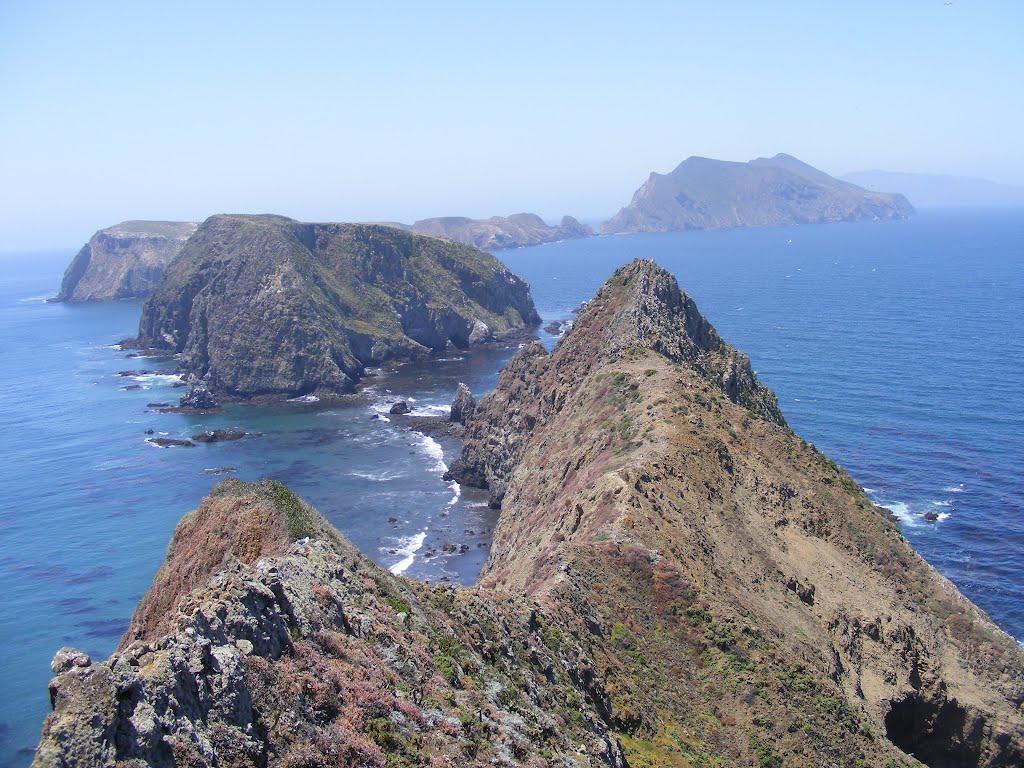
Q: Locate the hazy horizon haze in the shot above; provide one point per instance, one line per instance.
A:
(332, 112)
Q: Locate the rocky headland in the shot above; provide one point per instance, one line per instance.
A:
(265, 306)
(702, 193)
(125, 261)
(676, 579)
(498, 232)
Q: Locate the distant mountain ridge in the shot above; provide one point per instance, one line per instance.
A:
(703, 193)
(498, 232)
(933, 190)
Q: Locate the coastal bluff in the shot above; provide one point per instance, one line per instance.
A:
(124, 261)
(675, 579)
(266, 306)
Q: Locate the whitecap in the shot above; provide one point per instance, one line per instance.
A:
(431, 410)
(941, 516)
(304, 399)
(377, 477)
(157, 378)
(407, 548)
(35, 299)
(456, 493)
(434, 451)
(902, 512)
(955, 488)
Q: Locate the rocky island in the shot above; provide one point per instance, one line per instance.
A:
(124, 261)
(265, 306)
(497, 232)
(676, 579)
(702, 193)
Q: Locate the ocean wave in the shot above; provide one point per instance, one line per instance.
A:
(955, 488)
(431, 410)
(456, 493)
(304, 399)
(407, 547)
(902, 512)
(377, 477)
(35, 299)
(157, 378)
(433, 449)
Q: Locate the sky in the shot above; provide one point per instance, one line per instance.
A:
(399, 111)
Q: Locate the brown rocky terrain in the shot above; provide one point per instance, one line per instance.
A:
(702, 193)
(498, 232)
(676, 579)
(265, 306)
(124, 261)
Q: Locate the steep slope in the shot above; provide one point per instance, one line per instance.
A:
(124, 261)
(715, 194)
(499, 232)
(676, 579)
(747, 589)
(298, 651)
(268, 306)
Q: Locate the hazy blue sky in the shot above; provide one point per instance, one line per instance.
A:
(401, 111)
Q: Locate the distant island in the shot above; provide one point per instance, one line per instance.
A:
(702, 193)
(498, 232)
(266, 306)
(932, 190)
(124, 261)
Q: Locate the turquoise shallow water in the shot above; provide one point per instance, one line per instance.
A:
(895, 347)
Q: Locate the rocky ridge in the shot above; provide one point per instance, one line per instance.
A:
(676, 579)
(124, 261)
(498, 232)
(265, 306)
(702, 193)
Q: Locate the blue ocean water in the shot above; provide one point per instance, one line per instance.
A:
(896, 347)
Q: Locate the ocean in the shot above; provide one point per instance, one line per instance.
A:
(895, 347)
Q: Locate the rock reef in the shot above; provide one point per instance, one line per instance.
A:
(702, 193)
(265, 306)
(676, 579)
(125, 261)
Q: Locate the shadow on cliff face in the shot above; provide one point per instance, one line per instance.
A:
(941, 733)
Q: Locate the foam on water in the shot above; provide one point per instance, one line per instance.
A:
(434, 451)
(407, 548)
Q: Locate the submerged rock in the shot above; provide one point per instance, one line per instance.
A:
(219, 436)
(170, 442)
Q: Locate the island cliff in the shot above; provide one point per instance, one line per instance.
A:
(124, 261)
(497, 232)
(702, 193)
(676, 579)
(268, 306)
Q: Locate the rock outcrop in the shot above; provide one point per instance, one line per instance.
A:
(125, 261)
(268, 306)
(741, 578)
(702, 193)
(676, 579)
(463, 404)
(267, 639)
(498, 232)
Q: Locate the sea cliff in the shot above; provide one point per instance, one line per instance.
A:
(676, 579)
(124, 261)
(265, 306)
